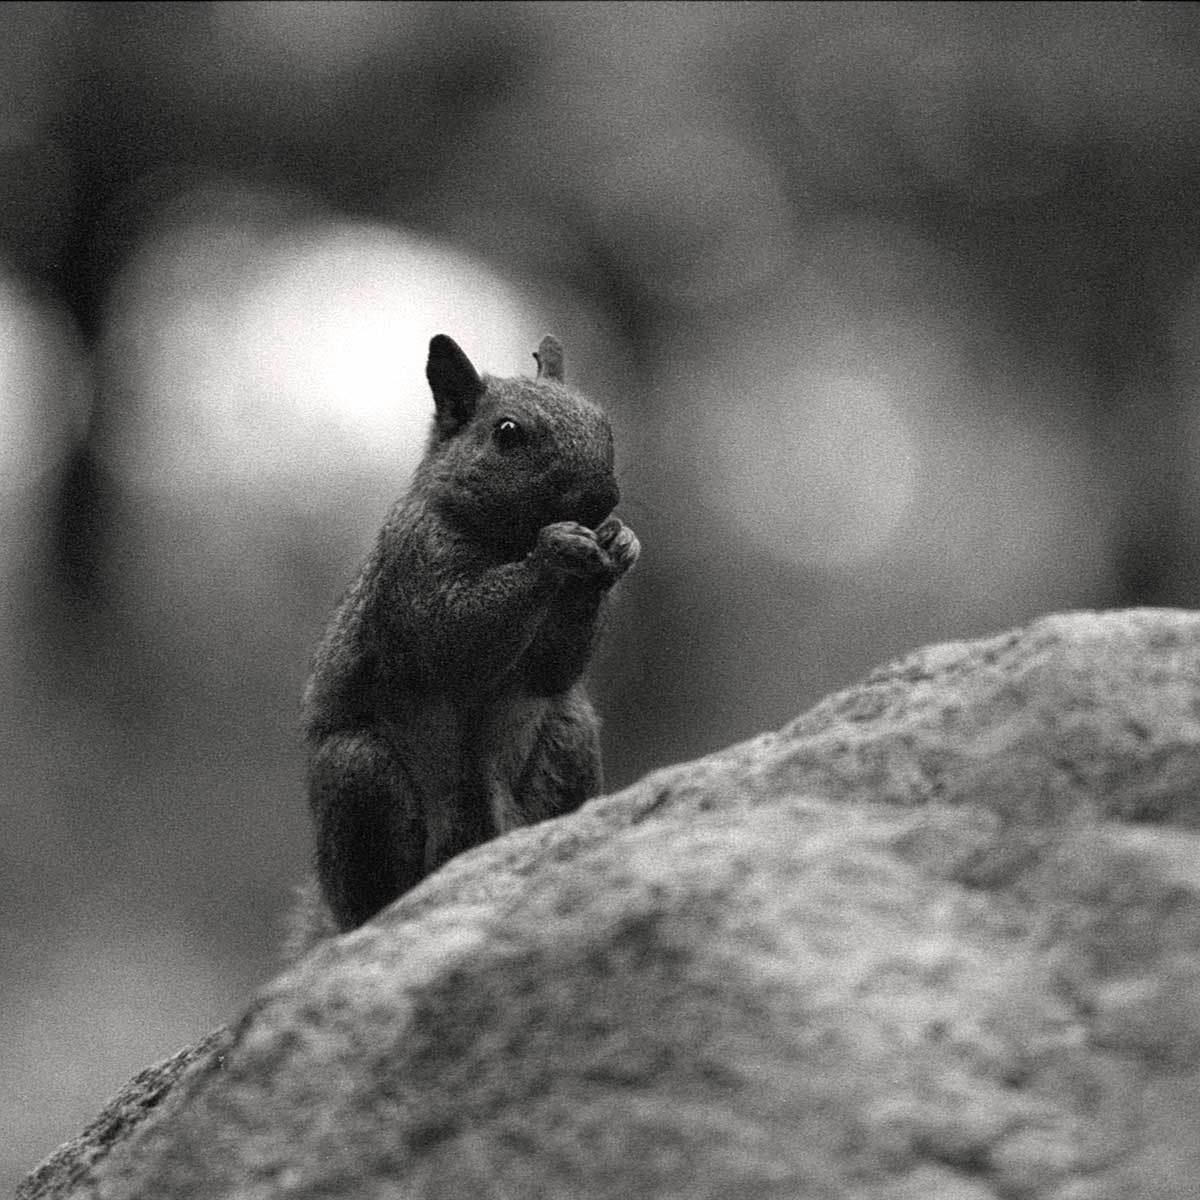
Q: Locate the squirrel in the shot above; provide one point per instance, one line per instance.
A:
(445, 703)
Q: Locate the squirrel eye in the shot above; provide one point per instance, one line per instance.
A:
(508, 432)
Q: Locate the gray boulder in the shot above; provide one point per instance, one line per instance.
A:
(938, 939)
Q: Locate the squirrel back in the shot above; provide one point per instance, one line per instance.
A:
(445, 703)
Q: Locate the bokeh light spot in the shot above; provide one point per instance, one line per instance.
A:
(258, 354)
(44, 401)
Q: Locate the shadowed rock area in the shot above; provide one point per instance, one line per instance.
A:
(938, 939)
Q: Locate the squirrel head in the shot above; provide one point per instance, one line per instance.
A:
(507, 456)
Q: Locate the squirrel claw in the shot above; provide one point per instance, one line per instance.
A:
(620, 543)
(623, 551)
(608, 529)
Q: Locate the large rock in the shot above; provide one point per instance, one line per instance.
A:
(938, 939)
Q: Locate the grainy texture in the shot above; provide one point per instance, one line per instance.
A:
(939, 939)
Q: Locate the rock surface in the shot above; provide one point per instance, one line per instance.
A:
(938, 939)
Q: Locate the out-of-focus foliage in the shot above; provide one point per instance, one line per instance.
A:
(896, 308)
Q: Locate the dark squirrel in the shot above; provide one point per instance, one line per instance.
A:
(445, 703)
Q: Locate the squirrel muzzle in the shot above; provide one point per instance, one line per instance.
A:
(589, 506)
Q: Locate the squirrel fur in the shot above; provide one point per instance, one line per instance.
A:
(445, 703)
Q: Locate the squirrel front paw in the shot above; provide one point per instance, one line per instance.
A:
(602, 555)
(621, 545)
(568, 548)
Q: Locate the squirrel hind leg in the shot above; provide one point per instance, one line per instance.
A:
(564, 769)
(370, 832)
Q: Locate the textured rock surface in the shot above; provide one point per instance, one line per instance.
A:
(939, 939)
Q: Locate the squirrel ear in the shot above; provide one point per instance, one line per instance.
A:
(455, 384)
(549, 355)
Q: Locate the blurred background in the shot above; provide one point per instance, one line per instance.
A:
(896, 309)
